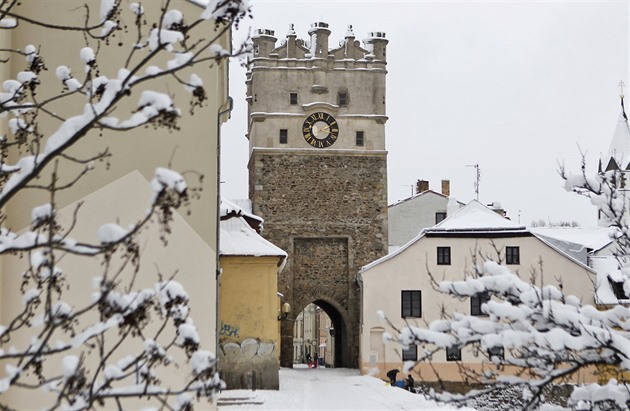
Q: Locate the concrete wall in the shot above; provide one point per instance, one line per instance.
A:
(248, 330)
(408, 270)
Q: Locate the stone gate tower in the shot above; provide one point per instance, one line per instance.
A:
(318, 169)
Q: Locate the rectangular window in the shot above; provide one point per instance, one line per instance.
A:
(360, 138)
(453, 354)
(496, 352)
(439, 216)
(284, 136)
(410, 354)
(476, 301)
(293, 99)
(411, 303)
(512, 255)
(444, 255)
(342, 99)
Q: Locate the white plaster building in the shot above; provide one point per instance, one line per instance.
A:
(400, 283)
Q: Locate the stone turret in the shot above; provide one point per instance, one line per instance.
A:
(377, 44)
(319, 39)
(264, 42)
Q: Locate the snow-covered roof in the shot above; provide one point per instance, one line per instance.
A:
(594, 238)
(474, 219)
(238, 238)
(619, 150)
(425, 193)
(476, 216)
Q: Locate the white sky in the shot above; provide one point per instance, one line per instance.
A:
(515, 86)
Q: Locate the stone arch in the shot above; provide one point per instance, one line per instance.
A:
(336, 353)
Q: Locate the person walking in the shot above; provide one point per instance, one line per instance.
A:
(315, 359)
(410, 383)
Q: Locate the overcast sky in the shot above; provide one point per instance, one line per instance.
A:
(514, 86)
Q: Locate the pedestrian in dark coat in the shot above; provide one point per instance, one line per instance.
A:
(391, 374)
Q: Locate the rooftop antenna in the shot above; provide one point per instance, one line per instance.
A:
(476, 185)
(621, 96)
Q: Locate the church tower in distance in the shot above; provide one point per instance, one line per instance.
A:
(318, 171)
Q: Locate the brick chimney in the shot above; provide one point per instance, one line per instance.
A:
(446, 187)
(421, 186)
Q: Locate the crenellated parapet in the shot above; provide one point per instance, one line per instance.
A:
(316, 52)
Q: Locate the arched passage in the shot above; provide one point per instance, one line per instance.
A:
(319, 329)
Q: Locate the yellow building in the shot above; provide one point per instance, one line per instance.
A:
(248, 302)
(118, 190)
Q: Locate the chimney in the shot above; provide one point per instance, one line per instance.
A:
(446, 188)
(421, 186)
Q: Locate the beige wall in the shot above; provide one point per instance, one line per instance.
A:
(117, 190)
(382, 285)
(187, 257)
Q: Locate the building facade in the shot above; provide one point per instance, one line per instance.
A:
(318, 169)
(402, 286)
(120, 191)
(248, 311)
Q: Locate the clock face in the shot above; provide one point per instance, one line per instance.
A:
(320, 130)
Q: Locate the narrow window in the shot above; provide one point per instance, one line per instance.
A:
(360, 138)
(410, 354)
(439, 216)
(342, 99)
(496, 352)
(444, 255)
(293, 99)
(476, 301)
(512, 255)
(411, 303)
(284, 136)
(453, 354)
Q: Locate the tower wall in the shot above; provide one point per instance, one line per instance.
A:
(327, 207)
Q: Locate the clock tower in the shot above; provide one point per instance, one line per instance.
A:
(318, 170)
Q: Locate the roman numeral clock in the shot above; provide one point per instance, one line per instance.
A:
(320, 130)
(318, 171)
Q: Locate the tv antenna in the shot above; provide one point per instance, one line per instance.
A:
(476, 185)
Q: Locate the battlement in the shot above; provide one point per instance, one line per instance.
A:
(315, 52)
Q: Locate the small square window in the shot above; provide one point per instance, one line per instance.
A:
(440, 216)
(293, 98)
(342, 99)
(284, 136)
(496, 352)
(411, 303)
(360, 138)
(410, 354)
(453, 354)
(444, 255)
(476, 301)
(512, 255)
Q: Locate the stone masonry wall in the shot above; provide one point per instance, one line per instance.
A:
(328, 210)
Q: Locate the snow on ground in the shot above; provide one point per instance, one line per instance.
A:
(327, 389)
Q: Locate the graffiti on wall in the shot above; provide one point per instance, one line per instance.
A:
(228, 330)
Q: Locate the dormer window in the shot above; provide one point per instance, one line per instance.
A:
(617, 289)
